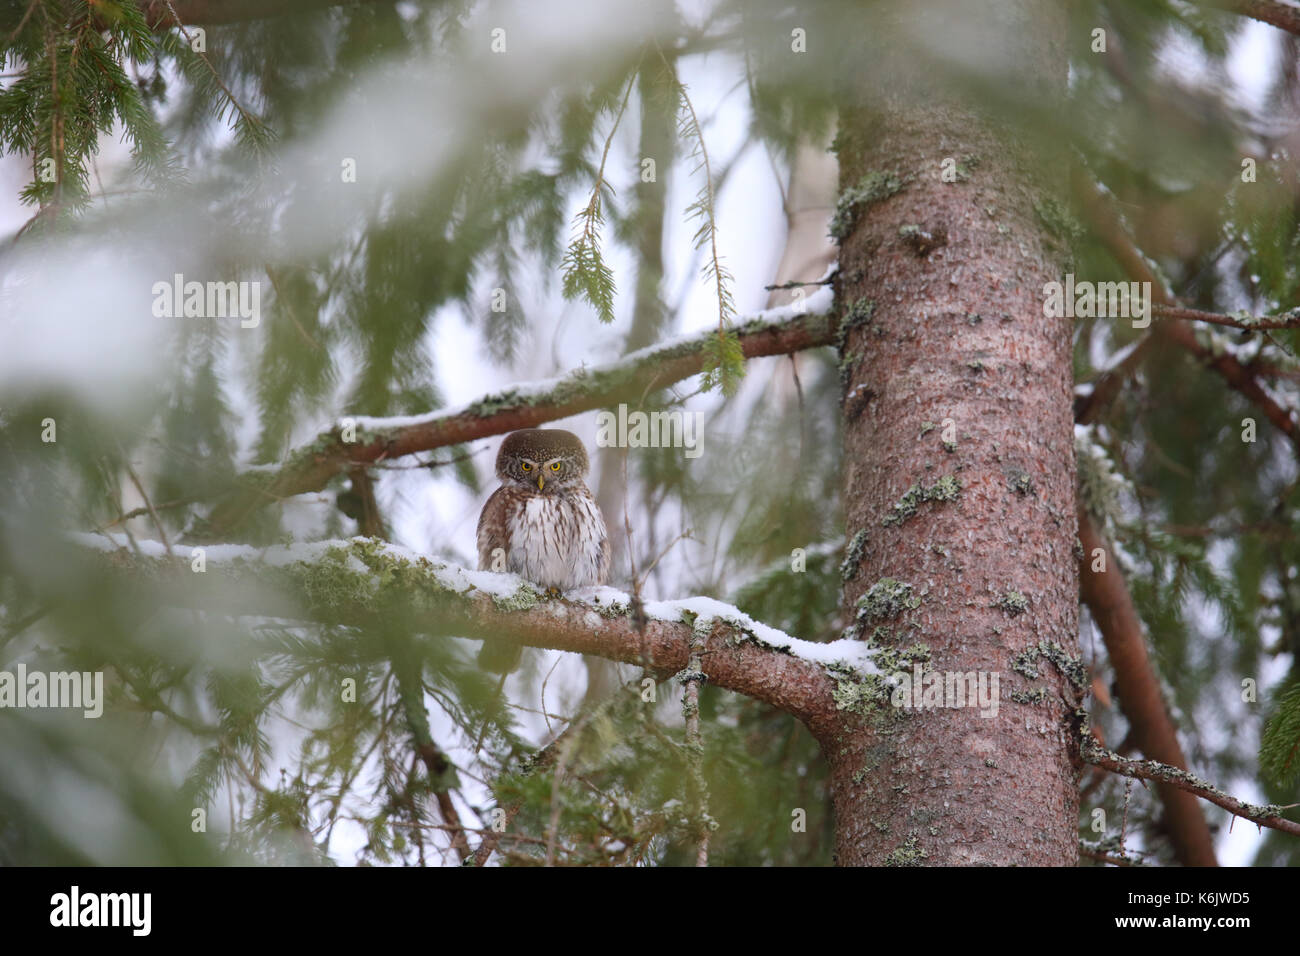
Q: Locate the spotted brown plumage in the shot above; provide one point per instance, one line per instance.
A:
(543, 522)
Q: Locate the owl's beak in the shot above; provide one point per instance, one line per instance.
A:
(541, 481)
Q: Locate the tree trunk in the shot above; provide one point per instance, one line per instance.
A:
(959, 476)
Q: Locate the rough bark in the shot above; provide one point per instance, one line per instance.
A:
(956, 331)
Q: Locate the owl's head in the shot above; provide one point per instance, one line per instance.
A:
(545, 459)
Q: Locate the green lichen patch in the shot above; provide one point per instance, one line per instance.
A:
(1020, 482)
(847, 361)
(364, 578)
(947, 488)
(521, 599)
(1071, 668)
(867, 696)
(885, 600)
(862, 697)
(1013, 602)
(965, 166)
(853, 556)
(1058, 220)
(1102, 486)
(870, 189)
(612, 609)
(856, 316)
(492, 404)
(1036, 696)
(907, 854)
(334, 583)
(894, 660)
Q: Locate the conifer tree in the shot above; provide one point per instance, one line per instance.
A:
(1038, 427)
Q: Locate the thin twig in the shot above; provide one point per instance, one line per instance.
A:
(1264, 816)
(1250, 323)
(247, 117)
(22, 23)
(697, 794)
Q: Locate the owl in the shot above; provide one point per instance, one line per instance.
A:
(543, 519)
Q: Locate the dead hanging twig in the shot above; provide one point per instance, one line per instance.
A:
(697, 793)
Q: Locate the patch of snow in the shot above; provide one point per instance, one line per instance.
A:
(855, 654)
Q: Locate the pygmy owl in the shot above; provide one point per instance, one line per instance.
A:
(542, 523)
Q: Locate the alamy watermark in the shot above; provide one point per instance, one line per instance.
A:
(208, 300)
(75, 908)
(675, 429)
(948, 689)
(80, 690)
(1100, 300)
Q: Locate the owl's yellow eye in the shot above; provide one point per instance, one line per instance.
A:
(555, 466)
(525, 466)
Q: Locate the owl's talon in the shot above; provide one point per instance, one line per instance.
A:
(553, 593)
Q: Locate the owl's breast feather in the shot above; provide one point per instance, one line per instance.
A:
(557, 540)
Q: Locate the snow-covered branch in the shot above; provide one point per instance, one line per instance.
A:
(365, 581)
(361, 440)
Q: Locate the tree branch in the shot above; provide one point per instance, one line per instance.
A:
(1240, 378)
(1112, 232)
(776, 332)
(1267, 816)
(1290, 320)
(1284, 16)
(1100, 857)
(364, 582)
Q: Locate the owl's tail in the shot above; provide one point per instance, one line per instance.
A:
(499, 657)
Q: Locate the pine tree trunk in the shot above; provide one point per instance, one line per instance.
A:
(968, 531)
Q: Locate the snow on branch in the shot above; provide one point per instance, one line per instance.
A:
(367, 581)
(361, 440)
